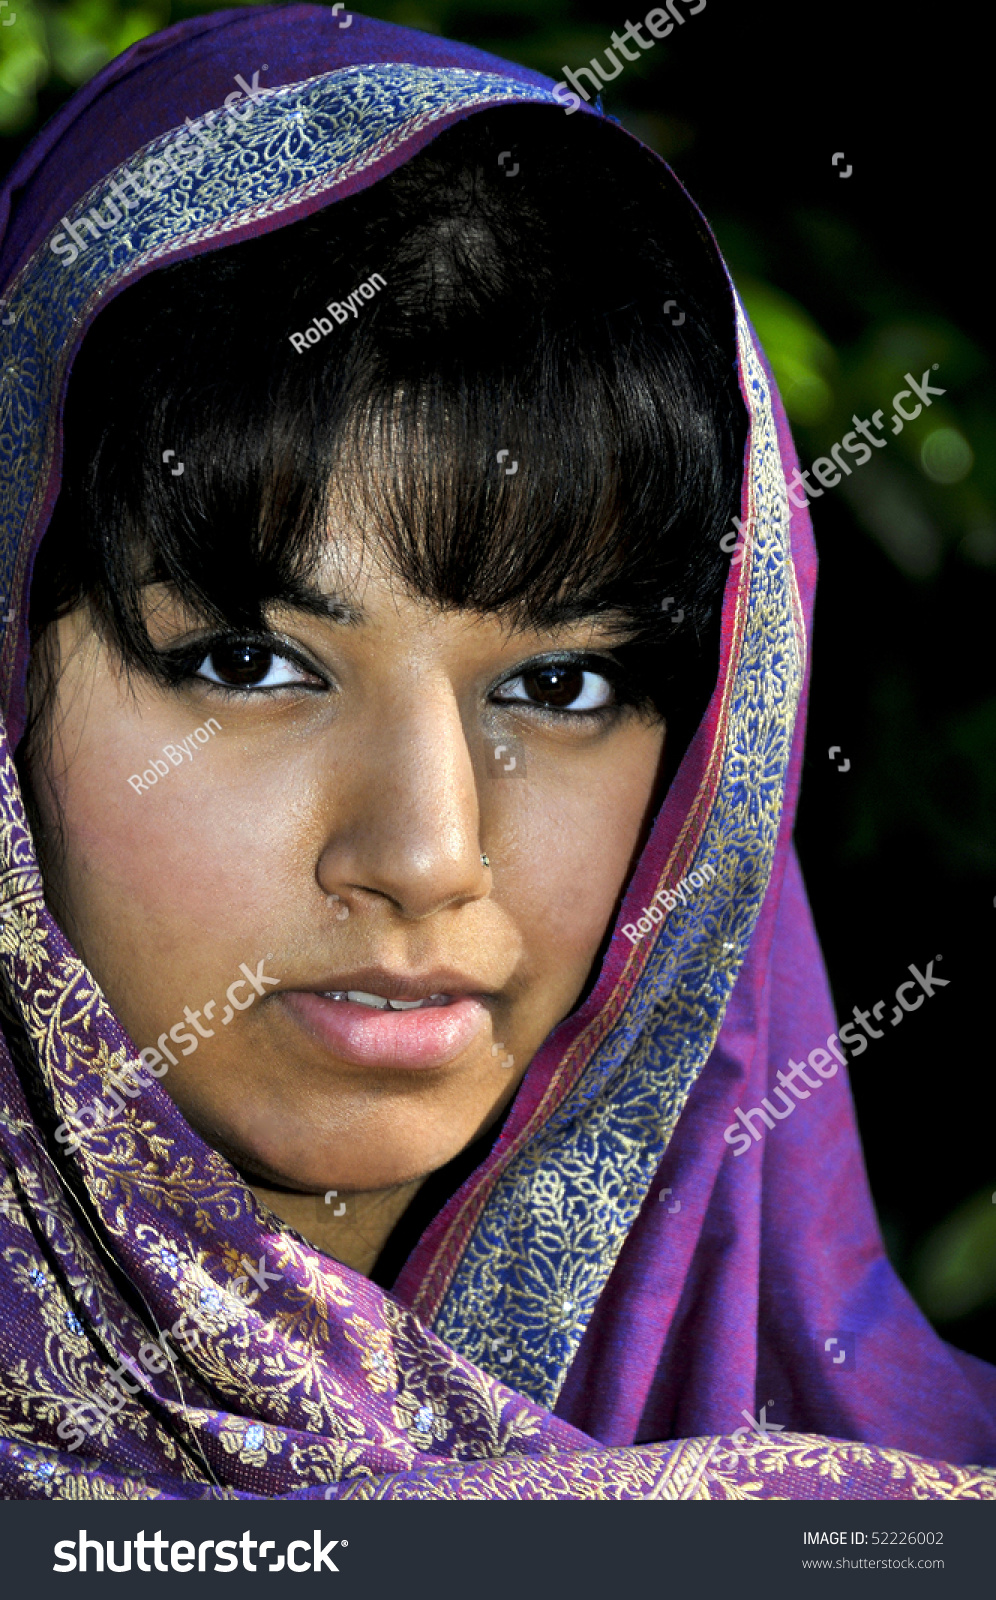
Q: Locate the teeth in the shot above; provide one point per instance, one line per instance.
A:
(378, 1002)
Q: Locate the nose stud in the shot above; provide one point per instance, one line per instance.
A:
(343, 912)
(485, 862)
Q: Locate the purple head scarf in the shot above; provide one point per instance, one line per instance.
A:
(673, 1231)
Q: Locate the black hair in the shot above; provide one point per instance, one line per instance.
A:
(567, 311)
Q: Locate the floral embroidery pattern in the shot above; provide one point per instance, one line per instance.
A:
(810, 1468)
(252, 1442)
(423, 1421)
(376, 1354)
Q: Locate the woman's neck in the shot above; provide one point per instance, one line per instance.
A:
(351, 1228)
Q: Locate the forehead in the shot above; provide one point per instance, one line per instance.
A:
(355, 582)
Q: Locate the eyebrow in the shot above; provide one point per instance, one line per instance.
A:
(567, 613)
(330, 606)
(316, 602)
(579, 611)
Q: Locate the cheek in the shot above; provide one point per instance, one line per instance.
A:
(573, 849)
(182, 854)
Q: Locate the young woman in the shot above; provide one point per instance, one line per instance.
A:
(404, 957)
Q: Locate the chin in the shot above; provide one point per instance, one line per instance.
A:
(370, 1141)
(382, 1166)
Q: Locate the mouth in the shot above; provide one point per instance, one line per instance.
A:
(384, 1020)
(380, 1003)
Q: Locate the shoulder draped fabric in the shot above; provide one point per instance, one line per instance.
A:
(633, 1336)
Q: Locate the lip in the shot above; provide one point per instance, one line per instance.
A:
(402, 1039)
(416, 1040)
(398, 985)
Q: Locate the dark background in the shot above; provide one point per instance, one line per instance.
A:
(851, 282)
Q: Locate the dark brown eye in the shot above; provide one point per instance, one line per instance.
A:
(237, 664)
(241, 664)
(559, 686)
(554, 686)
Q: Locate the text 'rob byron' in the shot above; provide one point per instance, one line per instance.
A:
(340, 310)
(158, 769)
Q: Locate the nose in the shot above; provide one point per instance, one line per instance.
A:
(406, 820)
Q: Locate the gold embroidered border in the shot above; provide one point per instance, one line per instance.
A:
(803, 1467)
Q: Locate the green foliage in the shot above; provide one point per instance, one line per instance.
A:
(86, 34)
(931, 490)
(802, 360)
(64, 45)
(955, 1273)
(24, 64)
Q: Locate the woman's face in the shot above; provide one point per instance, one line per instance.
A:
(328, 840)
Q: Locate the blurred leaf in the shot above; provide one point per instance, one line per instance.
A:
(802, 360)
(24, 65)
(946, 456)
(86, 34)
(955, 1270)
(67, 42)
(889, 503)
